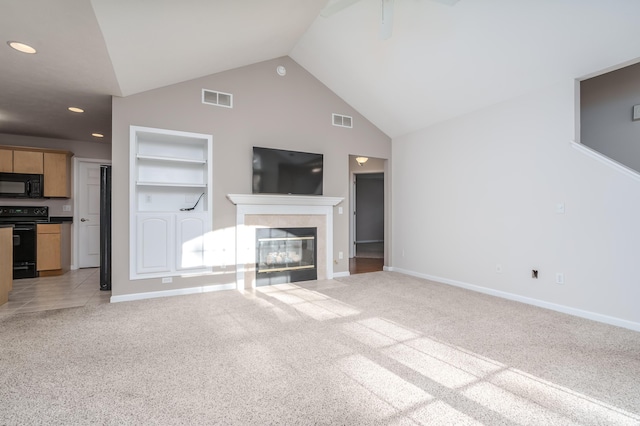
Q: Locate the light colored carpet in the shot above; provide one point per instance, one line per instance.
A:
(378, 348)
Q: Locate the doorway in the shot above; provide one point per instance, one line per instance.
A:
(86, 224)
(366, 253)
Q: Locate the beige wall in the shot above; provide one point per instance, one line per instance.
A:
(291, 112)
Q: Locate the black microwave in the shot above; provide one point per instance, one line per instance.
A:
(21, 185)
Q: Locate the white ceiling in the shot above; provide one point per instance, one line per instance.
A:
(441, 61)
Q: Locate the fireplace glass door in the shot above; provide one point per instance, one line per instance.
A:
(285, 255)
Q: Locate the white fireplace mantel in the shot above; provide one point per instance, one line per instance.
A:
(283, 200)
(267, 204)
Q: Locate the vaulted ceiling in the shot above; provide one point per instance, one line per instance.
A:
(441, 61)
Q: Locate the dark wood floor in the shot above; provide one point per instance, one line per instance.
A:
(360, 265)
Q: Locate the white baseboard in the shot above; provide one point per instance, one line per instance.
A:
(168, 293)
(341, 274)
(528, 300)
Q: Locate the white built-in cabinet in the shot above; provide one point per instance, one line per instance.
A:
(170, 172)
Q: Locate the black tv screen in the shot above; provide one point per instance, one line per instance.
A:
(276, 171)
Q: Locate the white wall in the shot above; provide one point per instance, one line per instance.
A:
(486, 193)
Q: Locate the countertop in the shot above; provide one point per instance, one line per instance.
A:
(60, 219)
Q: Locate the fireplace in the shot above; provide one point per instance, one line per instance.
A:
(285, 255)
(256, 211)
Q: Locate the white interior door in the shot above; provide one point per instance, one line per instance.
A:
(88, 214)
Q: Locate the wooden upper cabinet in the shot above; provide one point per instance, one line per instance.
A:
(6, 160)
(28, 162)
(55, 165)
(56, 175)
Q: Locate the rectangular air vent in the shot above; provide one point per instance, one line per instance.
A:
(211, 97)
(342, 120)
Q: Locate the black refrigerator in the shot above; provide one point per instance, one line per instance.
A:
(105, 228)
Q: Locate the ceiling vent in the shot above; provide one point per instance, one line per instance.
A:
(342, 120)
(211, 97)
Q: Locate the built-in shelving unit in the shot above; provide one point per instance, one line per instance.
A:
(171, 209)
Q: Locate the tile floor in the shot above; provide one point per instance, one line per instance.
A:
(75, 288)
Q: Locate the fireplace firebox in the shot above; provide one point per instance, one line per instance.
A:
(285, 255)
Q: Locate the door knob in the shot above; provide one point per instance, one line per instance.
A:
(84, 220)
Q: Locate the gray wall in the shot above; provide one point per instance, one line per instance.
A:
(291, 112)
(606, 104)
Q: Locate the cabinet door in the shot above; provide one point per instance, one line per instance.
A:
(191, 234)
(56, 176)
(48, 251)
(154, 241)
(28, 162)
(6, 160)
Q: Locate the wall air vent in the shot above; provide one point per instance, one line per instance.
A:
(211, 97)
(342, 120)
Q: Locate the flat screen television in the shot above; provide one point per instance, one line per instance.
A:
(277, 171)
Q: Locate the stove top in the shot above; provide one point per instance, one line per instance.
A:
(24, 214)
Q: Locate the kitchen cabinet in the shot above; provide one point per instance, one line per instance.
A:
(170, 202)
(6, 262)
(6, 160)
(55, 165)
(56, 174)
(28, 162)
(53, 248)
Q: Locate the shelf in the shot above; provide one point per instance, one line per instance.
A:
(171, 159)
(174, 184)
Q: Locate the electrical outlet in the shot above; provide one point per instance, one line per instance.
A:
(560, 208)
(167, 280)
(147, 198)
(66, 208)
(340, 255)
(499, 268)
(559, 278)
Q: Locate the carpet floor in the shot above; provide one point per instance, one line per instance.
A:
(378, 348)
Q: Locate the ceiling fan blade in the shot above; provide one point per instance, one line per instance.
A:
(336, 7)
(386, 22)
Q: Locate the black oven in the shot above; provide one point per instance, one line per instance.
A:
(24, 221)
(24, 250)
(21, 185)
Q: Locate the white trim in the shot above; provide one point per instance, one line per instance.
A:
(590, 152)
(169, 293)
(341, 274)
(283, 200)
(75, 225)
(264, 204)
(619, 322)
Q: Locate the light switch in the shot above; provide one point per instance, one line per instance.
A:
(339, 210)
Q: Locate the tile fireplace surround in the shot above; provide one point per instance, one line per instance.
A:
(281, 211)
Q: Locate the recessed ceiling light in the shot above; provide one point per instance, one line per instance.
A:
(21, 47)
(97, 135)
(75, 109)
